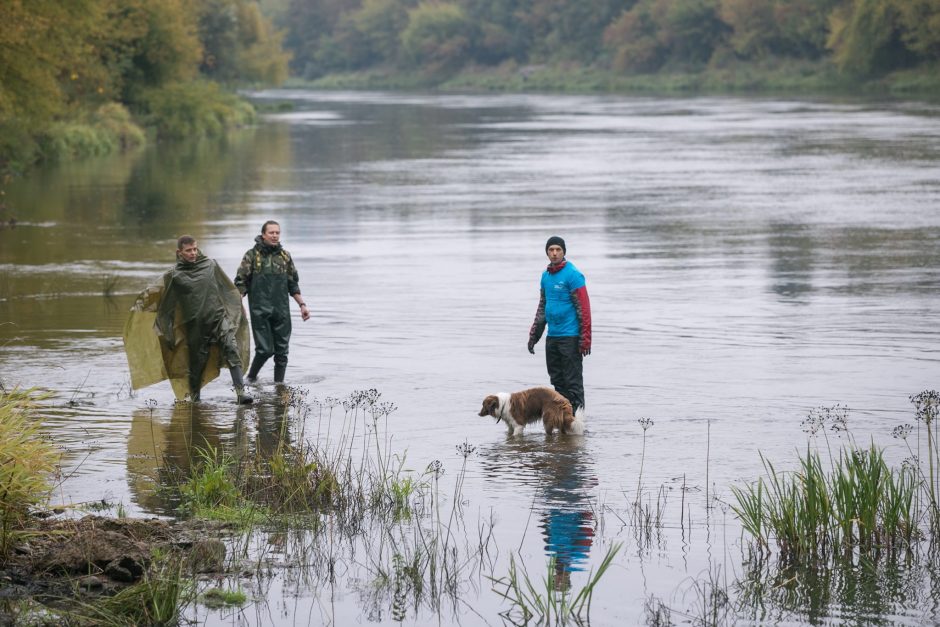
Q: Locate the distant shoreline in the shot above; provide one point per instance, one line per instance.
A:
(804, 79)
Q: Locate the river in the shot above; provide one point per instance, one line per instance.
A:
(748, 260)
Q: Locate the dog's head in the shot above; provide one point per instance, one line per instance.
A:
(490, 406)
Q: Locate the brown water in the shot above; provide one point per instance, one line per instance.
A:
(747, 261)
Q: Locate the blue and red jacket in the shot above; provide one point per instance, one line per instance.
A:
(564, 306)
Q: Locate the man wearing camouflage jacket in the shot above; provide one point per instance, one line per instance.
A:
(268, 276)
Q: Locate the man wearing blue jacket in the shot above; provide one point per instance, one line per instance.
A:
(565, 308)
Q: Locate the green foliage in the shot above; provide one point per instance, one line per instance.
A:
(866, 37)
(294, 480)
(59, 60)
(310, 28)
(861, 503)
(920, 21)
(27, 462)
(562, 30)
(43, 45)
(211, 486)
(217, 598)
(108, 130)
(18, 148)
(371, 34)
(437, 37)
(239, 44)
(194, 110)
(657, 33)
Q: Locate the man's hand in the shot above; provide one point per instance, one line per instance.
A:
(585, 350)
(304, 313)
(531, 346)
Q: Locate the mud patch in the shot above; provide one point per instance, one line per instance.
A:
(58, 561)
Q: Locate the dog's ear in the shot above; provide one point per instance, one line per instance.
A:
(490, 405)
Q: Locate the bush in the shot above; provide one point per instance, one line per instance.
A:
(108, 130)
(18, 149)
(27, 463)
(195, 110)
(437, 37)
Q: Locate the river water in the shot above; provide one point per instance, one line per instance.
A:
(748, 260)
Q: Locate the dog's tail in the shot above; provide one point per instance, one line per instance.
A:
(577, 427)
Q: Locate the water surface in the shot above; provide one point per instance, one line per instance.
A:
(747, 261)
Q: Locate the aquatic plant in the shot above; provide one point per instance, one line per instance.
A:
(211, 486)
(926, 411)
(28, 462)
(219, 597)
(109, 285)
(657, 613)
(549, 600)
(860, 503)
(712, 604)
(645, 423)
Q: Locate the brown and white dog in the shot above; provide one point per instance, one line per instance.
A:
(521, 408)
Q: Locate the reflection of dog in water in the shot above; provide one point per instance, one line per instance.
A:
(522, 408)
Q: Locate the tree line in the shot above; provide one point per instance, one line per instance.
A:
(860, 37)
(72, 72)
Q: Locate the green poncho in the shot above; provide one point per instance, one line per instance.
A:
(191, 320)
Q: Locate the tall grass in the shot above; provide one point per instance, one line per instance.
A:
(859, 504)
(27, 463)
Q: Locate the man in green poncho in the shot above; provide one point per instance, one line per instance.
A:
(187, 326)
(268, 276)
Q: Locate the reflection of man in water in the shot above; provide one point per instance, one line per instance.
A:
(563, 479)
(198, 298)
(568, 521)
(568, 538)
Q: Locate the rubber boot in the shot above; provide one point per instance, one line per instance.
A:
(255, 368)
(194, 389)
(279, 370)
(244, 398)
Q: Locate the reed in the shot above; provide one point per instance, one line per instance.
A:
(860, 504)
(109, 285)
(549, 601)
(926, 411)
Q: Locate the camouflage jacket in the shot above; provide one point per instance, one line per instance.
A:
(268, 276)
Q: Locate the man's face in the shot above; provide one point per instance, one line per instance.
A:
(555, 254)
(272, 234)
(189, 252)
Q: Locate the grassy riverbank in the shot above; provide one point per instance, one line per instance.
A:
(776, 78)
